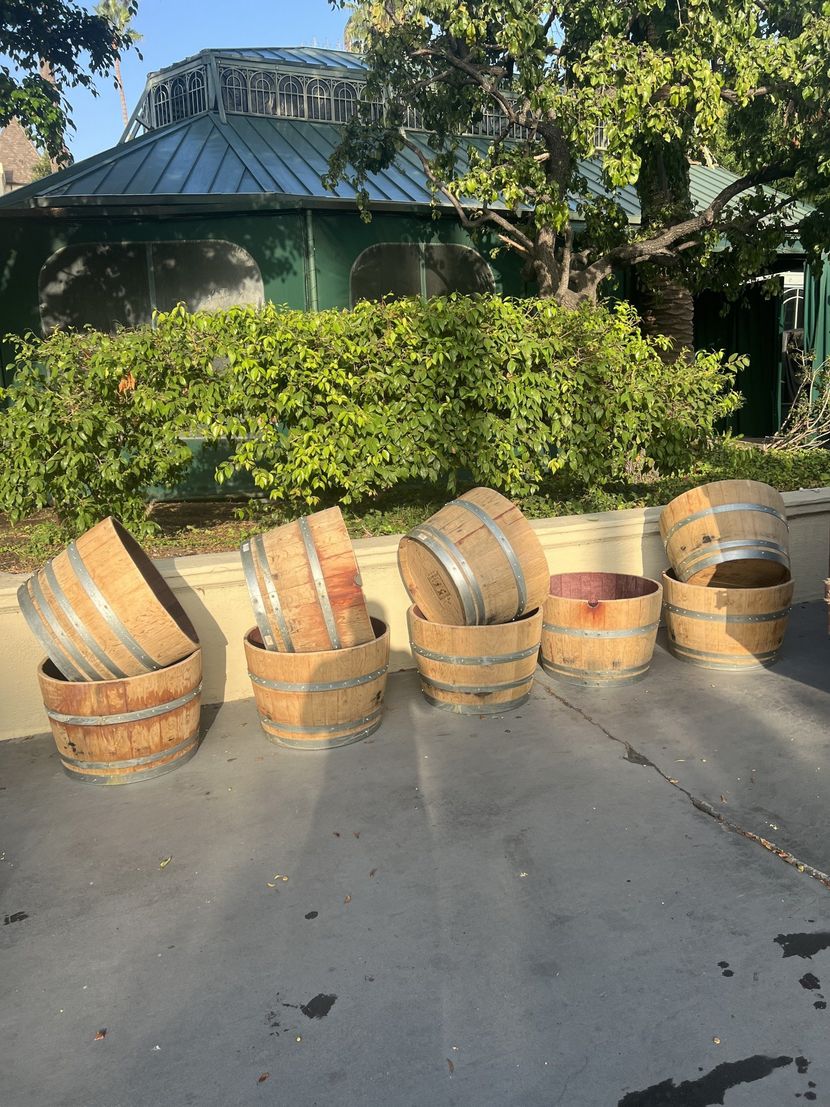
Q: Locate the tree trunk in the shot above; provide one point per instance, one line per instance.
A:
(125, 115)
(667, 308)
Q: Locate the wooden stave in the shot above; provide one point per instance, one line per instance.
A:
(566, 639)
(155, 705)
(514, 673)
(454, 583)
(102, 610)
(773, 603)
(370, 662)
(320, 608)
(729, 558)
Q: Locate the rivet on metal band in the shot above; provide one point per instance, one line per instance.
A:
(105, 611)
(319, 583)
(506, 548)
(63, 664)
(628, 632)
(260, 614)
(285, 686)
(500, 659)
(709, 617)
(475, 689)
(273, 595)
(719, 509)
(133, 761)
(459, 569)
(79, 628)
(124, 716)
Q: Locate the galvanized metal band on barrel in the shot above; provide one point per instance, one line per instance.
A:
(495, 659)
(594, 677)
(249, 569)
(273, 594)
(36, 625)
(319, 583)
(66, 607)
(103, 608)
(189, 748)
(479, 708)
(628, 632)
(459, 569)
(706, 660)
(716, 552)
(506, 549)
(718, 509)
(325, 686)
(125, 716)
(713, 617)
(475, 689)
(368, 725)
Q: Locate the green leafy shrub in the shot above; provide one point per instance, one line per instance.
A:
(351, 404)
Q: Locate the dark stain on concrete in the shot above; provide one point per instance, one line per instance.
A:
(804, 945)
(318, 1007)
(810, 982)
(709, 1089)
(17, 917)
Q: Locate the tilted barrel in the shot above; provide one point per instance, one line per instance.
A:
(476, 561)
(122, 731)
(305, 586)
(600, 628)
(730, 533)
(315, 701)
(736, 629)
(102, 611)
(482, 670)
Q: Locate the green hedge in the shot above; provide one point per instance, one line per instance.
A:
(350, 404)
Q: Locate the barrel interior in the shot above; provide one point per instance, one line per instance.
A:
(594, 588)
(155, 582)
(254, 636)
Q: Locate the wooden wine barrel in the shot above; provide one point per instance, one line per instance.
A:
(305, 586)
(101, 609)
(731, 533)
(737, 629)
(121, 731)
(599, 629)
(475, 670)
(476, 561)
(314, 701)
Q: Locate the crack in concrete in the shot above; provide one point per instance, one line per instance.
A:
(706, 808)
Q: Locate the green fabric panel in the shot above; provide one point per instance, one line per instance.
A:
(817, 314)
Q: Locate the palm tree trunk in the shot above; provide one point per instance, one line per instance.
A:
(667, 308)
(125, 115)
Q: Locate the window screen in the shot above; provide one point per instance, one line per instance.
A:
(106, 284)
(396, 269)
(455, 269)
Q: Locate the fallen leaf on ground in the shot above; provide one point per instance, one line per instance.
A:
(356, 833)
(347, 899)
(450, 1066)
(165, 861)
(263, 1077)
(673, 780)
(99, 1037)
(372, 873)
(723, 799)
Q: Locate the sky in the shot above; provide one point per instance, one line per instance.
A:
(174, 29)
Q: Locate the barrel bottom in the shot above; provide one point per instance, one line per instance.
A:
(611, 678)
(725, 663)
(281, 735)
(115, 772)
(477, 709)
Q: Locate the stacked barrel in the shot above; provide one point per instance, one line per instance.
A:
(729, 591)
(122, 677)
(477, 577)
(316, 659)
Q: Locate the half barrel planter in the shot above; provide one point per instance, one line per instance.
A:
(102, 610)
(735, 629)
(123, 731)
(475, 562)
(319, 700)
(475, 670)
(599, 629)
(730, 533)
(305, 586)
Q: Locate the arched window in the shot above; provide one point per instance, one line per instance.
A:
(291, 98)
(344, 101)
(178, 99)
(161, 106)
(263, 99)
(318, 97)
(196, 92)
(234, 90)
(391, 270)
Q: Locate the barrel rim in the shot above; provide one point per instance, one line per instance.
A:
(380, 628)
(527, 617)
(61, 681)
(675, 582)
(671, 506)
(651, 592)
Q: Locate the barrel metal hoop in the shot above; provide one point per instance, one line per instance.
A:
(99, 600)
(331, 728)
(479, 709)
(133, 761)
(313, 744)
(260, 615)
(599, 678)
(320, 583)
(706, 660)
(37, 627)
(628, 632)
(506, 548)
(475, 689)
(690, 565)
(501, 659)
(460, 570)
(273, 596)
(53, 624)
(124, 716)
(718, 509)
(331, 686)
(765, 617)
(80, 629)
(134, 778)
